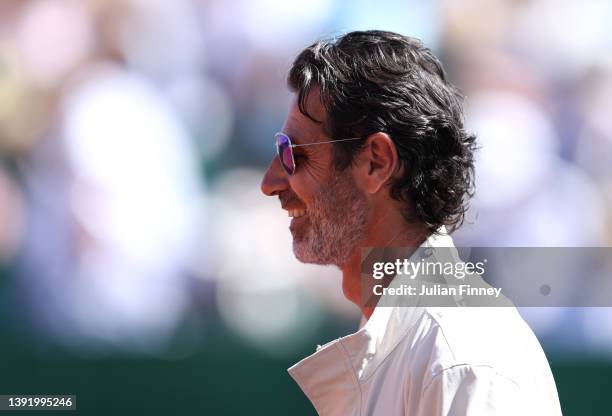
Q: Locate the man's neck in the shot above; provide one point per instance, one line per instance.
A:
(405, 235)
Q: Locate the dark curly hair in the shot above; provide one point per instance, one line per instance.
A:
(377, 81)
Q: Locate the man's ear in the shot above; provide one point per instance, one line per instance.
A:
(377, 162)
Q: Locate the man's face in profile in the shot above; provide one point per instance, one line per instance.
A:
(329, 212)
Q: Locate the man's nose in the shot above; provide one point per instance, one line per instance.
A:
(275, 179)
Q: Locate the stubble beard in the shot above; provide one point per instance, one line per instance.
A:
(337, 220)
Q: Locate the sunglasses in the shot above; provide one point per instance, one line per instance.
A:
(284, 149)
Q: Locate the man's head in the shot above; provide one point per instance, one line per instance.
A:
(413, 156)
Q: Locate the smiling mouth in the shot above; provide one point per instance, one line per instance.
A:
(299, 219)
(296, 213)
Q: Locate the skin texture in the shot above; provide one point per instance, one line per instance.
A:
(345, 210)
(335, 223)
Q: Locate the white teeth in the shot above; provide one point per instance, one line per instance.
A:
(296, 213)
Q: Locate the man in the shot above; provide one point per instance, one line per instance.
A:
(373, 153)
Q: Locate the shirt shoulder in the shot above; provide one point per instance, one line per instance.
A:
(478, 356)
(496, 338)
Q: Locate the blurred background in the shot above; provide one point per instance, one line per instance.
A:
(141, 267)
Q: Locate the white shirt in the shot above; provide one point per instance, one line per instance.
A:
(421, 361)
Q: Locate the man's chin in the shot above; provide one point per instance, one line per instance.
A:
(306, 253)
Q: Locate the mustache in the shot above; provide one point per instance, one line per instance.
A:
(289, 199)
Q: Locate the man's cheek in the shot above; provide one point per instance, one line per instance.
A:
(302, 193)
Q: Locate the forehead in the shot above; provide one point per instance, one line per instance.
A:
(299, 127)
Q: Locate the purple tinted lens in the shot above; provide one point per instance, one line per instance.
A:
(285, 153)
